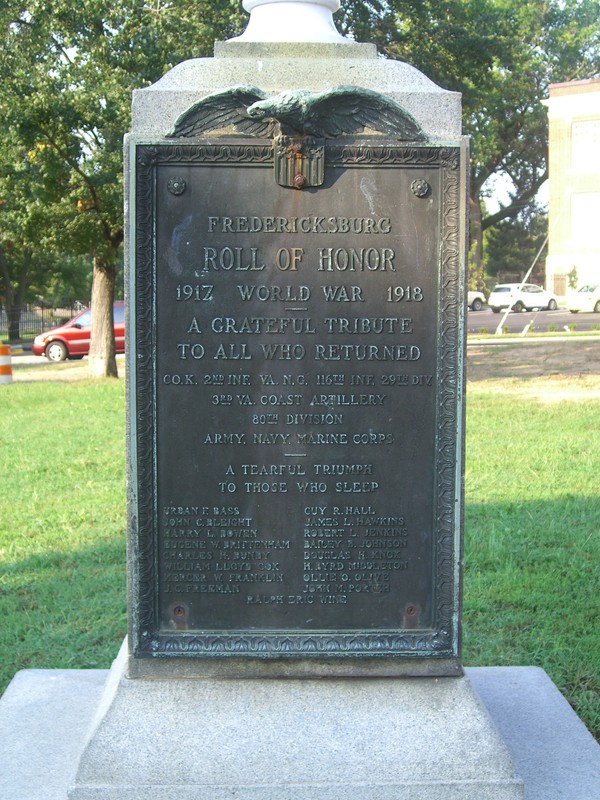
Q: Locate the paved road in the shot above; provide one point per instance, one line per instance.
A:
(515, 322)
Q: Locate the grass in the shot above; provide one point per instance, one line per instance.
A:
(532, 539)
(62, 525)
(532, 545)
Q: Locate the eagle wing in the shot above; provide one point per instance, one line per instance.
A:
(351, 109)
(222, 109)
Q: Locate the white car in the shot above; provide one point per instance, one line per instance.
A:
(475, 300)
(586, 299)
(521, 298)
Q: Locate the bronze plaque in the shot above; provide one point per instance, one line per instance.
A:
(296, 402)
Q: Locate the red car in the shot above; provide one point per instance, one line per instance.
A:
(72, 340)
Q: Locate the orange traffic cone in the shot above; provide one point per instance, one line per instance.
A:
(6, 375)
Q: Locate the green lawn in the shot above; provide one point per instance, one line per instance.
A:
(62, 525)
(532, 540)
(532, 543)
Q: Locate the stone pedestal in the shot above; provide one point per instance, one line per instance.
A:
(45, 714)
(276, 67)
(268, 739)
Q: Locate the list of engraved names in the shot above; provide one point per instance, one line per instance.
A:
(295, 399)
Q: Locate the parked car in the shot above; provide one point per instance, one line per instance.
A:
(521, 297)
(586, 299)
(475, 300)
(72, 340)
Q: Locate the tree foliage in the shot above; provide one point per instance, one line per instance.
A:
(24, 219)
(513, 245)
(67, 72)
(502, 55)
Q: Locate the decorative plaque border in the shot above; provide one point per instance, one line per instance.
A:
(440, 642)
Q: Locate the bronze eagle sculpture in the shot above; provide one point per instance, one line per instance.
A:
(327, 114)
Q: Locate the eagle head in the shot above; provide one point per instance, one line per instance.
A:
(287, 108)
(260, 109)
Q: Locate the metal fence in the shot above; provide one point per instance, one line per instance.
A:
(35, 319)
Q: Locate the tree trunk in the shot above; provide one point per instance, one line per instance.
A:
(13, 314)
(475, 269)
(102, 360)
(15, 298)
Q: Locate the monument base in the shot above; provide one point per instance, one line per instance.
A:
(332, 739)
(44, 716)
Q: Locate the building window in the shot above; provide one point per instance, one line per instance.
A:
(585, 218)
(585, 146)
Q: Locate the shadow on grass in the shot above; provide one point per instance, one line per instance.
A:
(531, 597)
(63, 610)
(532, 592)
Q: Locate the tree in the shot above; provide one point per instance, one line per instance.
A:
(67, 77)
(66, 280)
(31, 268)
(67, 73)
(502, 55)
(14, 270)
(24, 206)
(512, 245)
